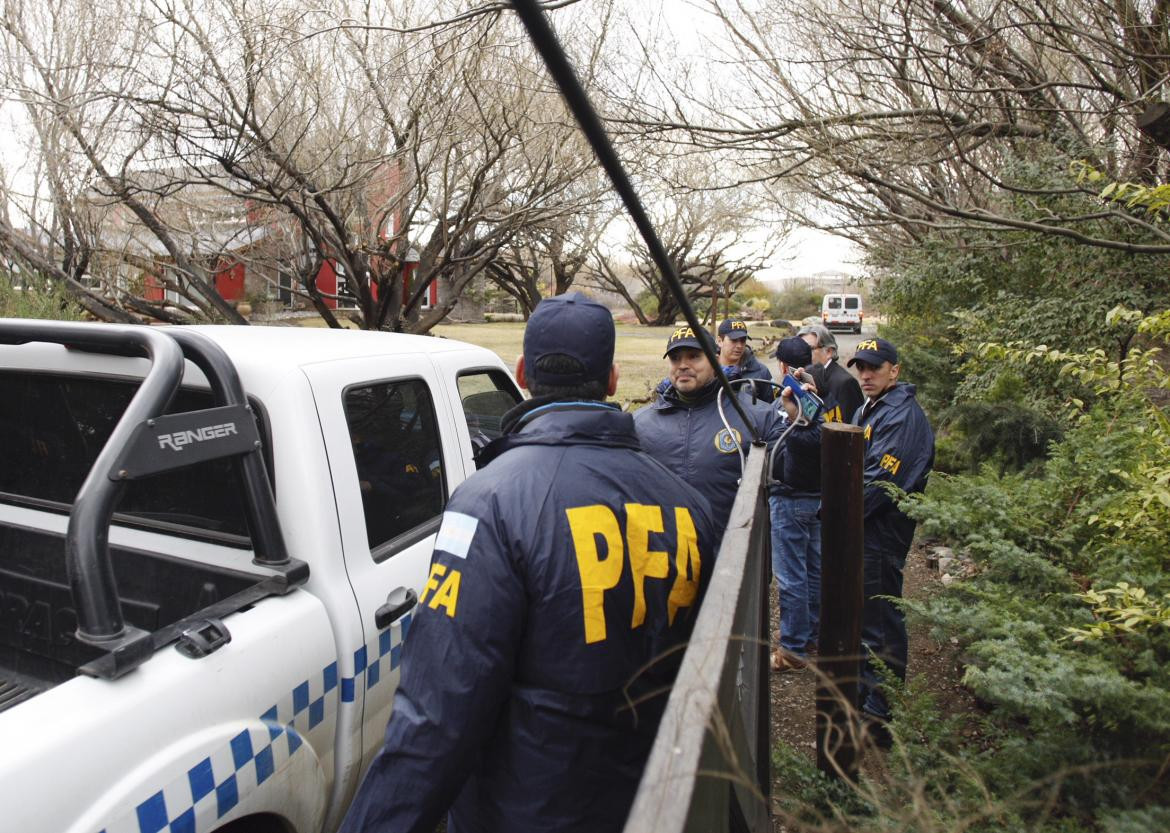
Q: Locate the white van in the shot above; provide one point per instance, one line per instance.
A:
(842, 312)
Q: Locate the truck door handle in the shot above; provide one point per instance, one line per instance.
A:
(400, 602)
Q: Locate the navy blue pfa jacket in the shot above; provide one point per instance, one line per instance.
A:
(535, 671)
(899, 447)
(797, 465)
(751, 368)
(688, 436)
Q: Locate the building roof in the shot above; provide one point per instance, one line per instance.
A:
(211, 239)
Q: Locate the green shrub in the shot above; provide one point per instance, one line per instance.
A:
(1079, 548)
(959, 289)
(1064, 625)
(797, 302)
(39, 300)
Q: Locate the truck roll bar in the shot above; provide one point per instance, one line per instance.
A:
(259, 502)
(87, 553)
(133, 451)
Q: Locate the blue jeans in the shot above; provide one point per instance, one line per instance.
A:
(796, 563)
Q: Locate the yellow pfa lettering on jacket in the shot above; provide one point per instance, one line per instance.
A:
(868, 432)
(834, 415)
(890, 463)
(687, 561)
(445, 594)
(596, 530)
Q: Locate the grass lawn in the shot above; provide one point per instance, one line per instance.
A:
(639, 350)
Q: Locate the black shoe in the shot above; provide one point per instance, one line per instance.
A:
(877, 730)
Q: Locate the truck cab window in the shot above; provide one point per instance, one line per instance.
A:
(54, 426)
(397, 453)
(486, 396)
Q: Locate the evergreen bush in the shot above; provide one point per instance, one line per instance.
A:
(1063, 627)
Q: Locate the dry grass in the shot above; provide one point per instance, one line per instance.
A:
(638, 354)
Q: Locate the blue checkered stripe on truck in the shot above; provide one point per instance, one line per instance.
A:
(213, 787)
(374, 661)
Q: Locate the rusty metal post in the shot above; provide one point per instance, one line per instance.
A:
(842, 598)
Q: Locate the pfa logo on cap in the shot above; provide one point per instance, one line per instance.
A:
(874, 351)
(687, 337)
(733, 328)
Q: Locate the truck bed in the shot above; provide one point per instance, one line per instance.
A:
(38, 648)
(16, 688)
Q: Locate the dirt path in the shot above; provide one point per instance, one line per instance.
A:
(793, 692)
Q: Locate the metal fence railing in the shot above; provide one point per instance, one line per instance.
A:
(709, 769)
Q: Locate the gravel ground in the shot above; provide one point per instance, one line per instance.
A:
(793, 692)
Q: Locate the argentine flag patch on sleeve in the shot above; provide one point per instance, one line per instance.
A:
(456, 533)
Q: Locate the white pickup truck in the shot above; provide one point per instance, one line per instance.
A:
(211, 543)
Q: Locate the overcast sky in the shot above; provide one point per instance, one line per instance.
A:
(808, 252)
(698, 36)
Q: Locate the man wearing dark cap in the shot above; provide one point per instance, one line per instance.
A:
(566, 573)
(737, 360)
(899, 448)
(835, 384)
(795, 501)
(682, 428)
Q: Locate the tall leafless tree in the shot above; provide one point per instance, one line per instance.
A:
(356, 136)
(884, 120)
(69, 66)
(718, 235)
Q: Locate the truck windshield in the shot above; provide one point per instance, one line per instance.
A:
(52, 428)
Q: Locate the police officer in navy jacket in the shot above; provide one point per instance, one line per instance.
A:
(682, 427)
(736, 359)
(565, 574)
(899, 448)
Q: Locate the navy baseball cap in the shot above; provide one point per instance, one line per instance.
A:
(794, 351)
(685, 337)
(570, 325)
(733, 328)
(875, 351)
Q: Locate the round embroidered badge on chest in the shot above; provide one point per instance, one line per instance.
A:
(726, 443)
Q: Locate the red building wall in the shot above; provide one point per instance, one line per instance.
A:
(229, 282)
(327, 283)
